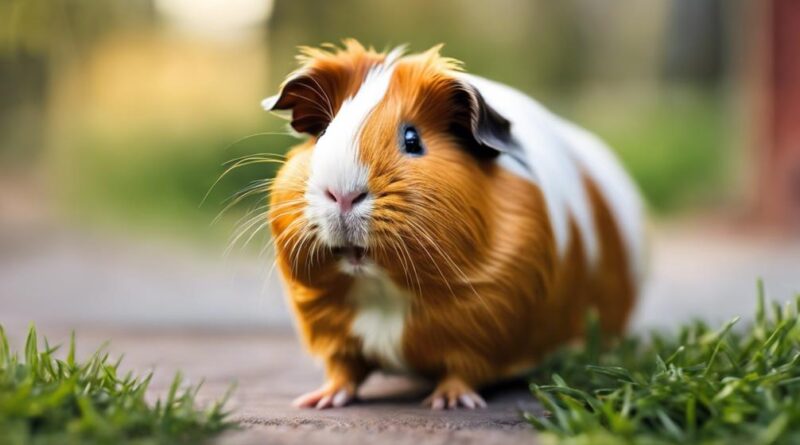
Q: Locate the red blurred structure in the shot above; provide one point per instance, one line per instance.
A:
(779, 144)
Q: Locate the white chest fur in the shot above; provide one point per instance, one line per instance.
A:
(381, 309)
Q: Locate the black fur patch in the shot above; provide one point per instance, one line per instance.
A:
(485, 132)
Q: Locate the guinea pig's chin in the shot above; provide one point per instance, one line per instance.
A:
(365, 267)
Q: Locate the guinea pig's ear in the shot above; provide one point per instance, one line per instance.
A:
(308, 96)
(486, 132)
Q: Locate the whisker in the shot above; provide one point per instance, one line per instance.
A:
(452, 264)
(414, 268)
(242, 231)
(262, 226)
(242, 195)
(251, 136)
(323, 95)
(316, 105)
(401, 257)
(435, 263)
(265, 155)
(240, 163)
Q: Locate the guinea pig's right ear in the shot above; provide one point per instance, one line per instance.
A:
(486, 132)
(309, 96)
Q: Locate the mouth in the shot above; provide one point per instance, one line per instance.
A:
(354, 255)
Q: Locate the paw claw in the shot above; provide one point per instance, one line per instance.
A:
(329, 396)
(307, 400)
(324, 402)
(453, 393)
(341, 398)
(452, 402)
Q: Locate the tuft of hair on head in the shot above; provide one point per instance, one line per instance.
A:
(349, 48)
(433, 57)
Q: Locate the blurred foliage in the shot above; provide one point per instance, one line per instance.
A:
(37, 38)
(546, 48)
(130, 115)
(675, 146)
(50, 26)
(162, 188)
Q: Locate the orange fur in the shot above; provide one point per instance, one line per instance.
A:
(469, 241)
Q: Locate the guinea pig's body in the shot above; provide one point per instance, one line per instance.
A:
(443, 225)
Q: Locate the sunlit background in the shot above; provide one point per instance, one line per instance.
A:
(116, 118)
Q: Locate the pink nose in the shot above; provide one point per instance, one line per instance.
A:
(346, 201)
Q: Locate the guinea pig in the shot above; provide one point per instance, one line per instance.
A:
(443, 225)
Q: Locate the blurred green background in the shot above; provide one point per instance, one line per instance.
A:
(123, 112)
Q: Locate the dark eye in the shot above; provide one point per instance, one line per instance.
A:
(412, 144)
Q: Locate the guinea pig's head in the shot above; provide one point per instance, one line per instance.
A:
(402, 150)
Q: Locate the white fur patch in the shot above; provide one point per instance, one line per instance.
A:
(558, 153)
(335, 161)
(381, 309)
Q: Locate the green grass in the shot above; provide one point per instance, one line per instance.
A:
(47, 400)
(696, 386)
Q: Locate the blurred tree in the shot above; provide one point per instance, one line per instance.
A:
(779, 149)
(694, 44)
(23, 90)
(36, 38)
(533, 45)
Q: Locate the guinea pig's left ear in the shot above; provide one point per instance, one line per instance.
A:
(486, 132)
(308, 96)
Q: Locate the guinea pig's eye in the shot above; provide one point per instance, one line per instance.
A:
(411, 144)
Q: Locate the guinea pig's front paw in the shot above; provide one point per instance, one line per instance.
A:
(453, 392)
(330, 395)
